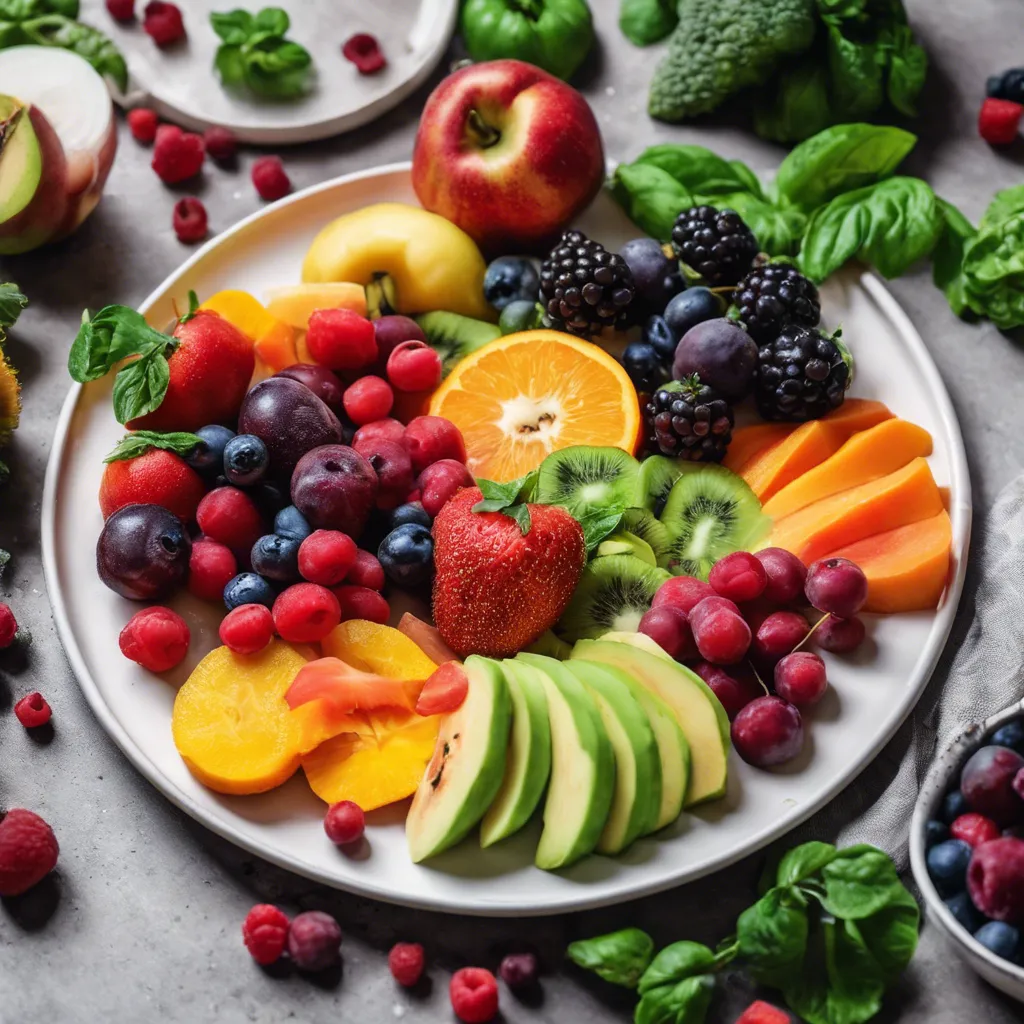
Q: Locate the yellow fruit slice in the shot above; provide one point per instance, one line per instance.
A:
(383, 650)
(523, 396)
(295, 303)
(10, 398)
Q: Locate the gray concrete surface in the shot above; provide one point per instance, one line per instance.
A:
(141, 922)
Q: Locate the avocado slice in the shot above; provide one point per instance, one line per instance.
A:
(673, 750)
(465, 773)
(697, 710)
(582, 768)
(637, 797)
(454, 336)
(528, 764)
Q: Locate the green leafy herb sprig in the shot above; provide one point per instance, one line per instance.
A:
(139, 442)
(255, 54)
(832, 931)
(12, 302)
(837, 197)
(54, 23)
(510, 499)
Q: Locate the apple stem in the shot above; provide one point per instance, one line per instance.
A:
(484, 133)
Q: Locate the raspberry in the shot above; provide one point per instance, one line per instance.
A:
(998, 121)
(142, 123)
(974, 829)
(229, 516)
(344, 823)
(210, 566)
(369, 399)
(221, 144)
(326, 556)
(163, 23)
(190, 224)
(474, 995)
(414, 366)
(265, 933)
(519, 970)
(9, 625)
(760, 1012)
(269, 178)
(406, 962)
(121, 10)
(431, 439)
(387, 429)
(305, 613)
(156, 638)
(364, 51)
(28, 851)
(314, 941)
(362, 603)
(32, 710)
(341, 339)
(247, 629)
(439, 482)
(177, 155)
(366, 571)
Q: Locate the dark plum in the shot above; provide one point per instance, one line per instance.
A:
(656, 277)
(390, 332)
(721, 353)
(289, 419)
(393, 465)
(143, 552)
(987, 784)
(322, 382)
(692, 307)
(335, 488)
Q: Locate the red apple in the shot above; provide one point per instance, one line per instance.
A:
(508, 153)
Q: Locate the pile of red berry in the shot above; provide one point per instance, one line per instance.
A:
(742, 631)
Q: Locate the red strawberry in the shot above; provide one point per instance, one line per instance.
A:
(763, 1013)
(210, 373)
(156, 477)
(496, 589)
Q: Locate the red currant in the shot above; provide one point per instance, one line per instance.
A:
(247, 629)
(367, 400)
(366, 571)
(344, 823)
(326, 556)
(305, 613)
(414, 366)
(362, 603)
(230, 516)
(211, 565)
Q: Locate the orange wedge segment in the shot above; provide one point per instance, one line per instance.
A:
(523, 396)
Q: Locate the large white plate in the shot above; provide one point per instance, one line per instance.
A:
(871, 694)
(181, 84)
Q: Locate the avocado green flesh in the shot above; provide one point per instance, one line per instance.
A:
(468, 765)
(697, 710)
(528, 764)
(21, 162)
(582, 769)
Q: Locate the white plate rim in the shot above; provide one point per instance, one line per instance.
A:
(960, 511)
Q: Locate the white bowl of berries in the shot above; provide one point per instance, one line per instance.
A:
(967, 847)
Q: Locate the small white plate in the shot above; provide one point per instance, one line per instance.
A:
(180, 83)
(870, 696)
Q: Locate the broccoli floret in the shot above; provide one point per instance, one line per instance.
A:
(722, 46)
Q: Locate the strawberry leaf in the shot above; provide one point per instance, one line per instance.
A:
(504, 498)
(141, 441)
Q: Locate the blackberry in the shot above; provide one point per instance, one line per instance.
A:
(716, 244)
(801, 375)
(583, 287)
(773, 295)
(689, 420)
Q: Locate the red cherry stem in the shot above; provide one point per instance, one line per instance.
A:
(810, 633)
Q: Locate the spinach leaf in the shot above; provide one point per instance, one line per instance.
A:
(675, 963)
(684, 1003)
(907, 70)
(620, 957)
(891, 225)
(797, 105)
(891, 934)
(12, 302)
(699, 170)
(840, 159)
(856, 71)
(859, 882)
(803, 861)
(772, 936)
(651, 197)
(94, 46)
(948, 257)
(993, 271)
(644, 22)
(777, 230)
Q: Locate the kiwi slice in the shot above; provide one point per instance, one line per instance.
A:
(613, 594)
(646, 527)
(621, 543)
(454, 336)
(710, 513)
(587, 481)
(654, 481)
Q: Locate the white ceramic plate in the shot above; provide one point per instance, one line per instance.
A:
(870, 696)
(181, 84)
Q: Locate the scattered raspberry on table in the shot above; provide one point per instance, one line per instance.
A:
(28, 851)
(364, 51)
(121, 10)
(474, 995)
(763, 1013)
(163, 23)
(9, 625)
(999, 121)
(32, 710)
(142, 123)
(221, 144)
(265, 933)
(314, 941)
(406, 961)
(189, 220)
(177, 155)
(269, 178)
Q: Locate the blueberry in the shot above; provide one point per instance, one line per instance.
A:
(208, 456)
(661, 338)
(520, 315)
(643, 366)
(690, 308)
(935, 832)
(509, 278)
(407, 555)
(291, 523)
(1012, 85)
(248, 588)
(967, 914)
(413, 512)
(1002, 939)
(1010, 735)
(947, 866)
(245, 460)
(994, 87)
(276, 557)
(953, 806)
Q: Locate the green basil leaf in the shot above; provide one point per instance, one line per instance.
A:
(676, 962)
(113, 334)
(948, 257)
(599, 524)
(140, 387)
(141, 441)
(993, 272)
(699, 170)
(234, 27)
(777, 230)
(12, 302)
(88, 43)
(891, 225)
(1005, 204)
(797, 104)
(620, 957)
(772, 936)
(908, 68)
(859, 882)
(229, 64)
(891, 934)
(840, 159)
(803, 861)
(272, 20)
(685, 1003)
(651, 197)
(644, 22)
(747, 177)
(281, 73)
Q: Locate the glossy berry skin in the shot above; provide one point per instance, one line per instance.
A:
(358, 602)
(247, 629)
(407, 555)
(1002, 939)
(656, 277)
(314, 941)
(406, 961)
(211, 565)
(661, 338)
(966, 913)
(840, 636)
(344, 823)
(189, 220)
(270, 179)
(760, 1012)
(721, 353)
(722, 635)
(143, 552)
(368, 399)
(246, 460)
(735, 687)
(28, 851)
(8, 626)
(32, 711)
(305, 613)
(156, 477)
(322, 382)
(121, 10)
(953, 805)
(986, 782)
(393, 466)
(341, 339)
(474, 995)
(669, 628)
(837, 586)
(509, 279)
(207, 458)
(519, 970)
(230, 517)
(390, 332)
(387, 429)
(414, 366)
(364, 51)
(995, 879)
(163, 23)
(800, 678)
(691, 307)
(999, 121)
(248, 588)
(683, 592)
(142, 123)
(265, 933)
(431, 439)
(291, 523)
(785, 573)
(767, 732)
(974, 829)
(221, 144)
(411, 512)
(366, 571)
(177, 155)
(521, 315)
(935, 832)
(1010, 735)
(643, 364)
(156, 638)
(326, 556)
(739, 577)
(276, 558)
(777, 635)
(947, 866)
(335, 488)
(440, 482)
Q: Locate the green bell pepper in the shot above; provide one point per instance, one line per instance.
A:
(553, 34)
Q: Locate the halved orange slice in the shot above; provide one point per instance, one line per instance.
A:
(523, 396)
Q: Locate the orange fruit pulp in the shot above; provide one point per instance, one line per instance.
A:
(523, 396)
